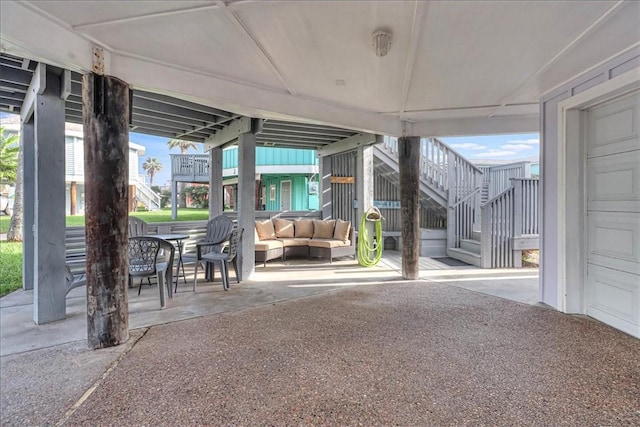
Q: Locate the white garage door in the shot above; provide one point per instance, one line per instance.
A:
(613, 213)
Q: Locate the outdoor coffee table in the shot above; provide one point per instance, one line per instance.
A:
(178, 238)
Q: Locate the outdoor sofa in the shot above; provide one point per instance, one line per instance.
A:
(309, 238)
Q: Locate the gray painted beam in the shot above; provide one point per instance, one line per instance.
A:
(10, 74)
(364, 180)
(182, 104)
(151, 105)
(49, 218)
(230, 133)
(216, 195)
(297, 136)
(247, 202)
(28, 136)
(348, 144)
(325, 188)
(337, 133)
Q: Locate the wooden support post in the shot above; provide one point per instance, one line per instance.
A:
(49, 302)
(216, 197)
(364, 181)
(105, 107)
(246, 202)
(409, 164)
(73, 190)
(325, 188)
(28, 202)
(517, 218)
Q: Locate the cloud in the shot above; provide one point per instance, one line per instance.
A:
(467, 146)
(491, 154)
(534, 141)
(517, 147)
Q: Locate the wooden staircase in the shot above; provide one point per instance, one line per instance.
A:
(491, 216)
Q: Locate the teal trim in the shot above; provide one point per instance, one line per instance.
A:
(269, 156)
(301, 200)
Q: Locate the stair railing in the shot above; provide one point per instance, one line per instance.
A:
(506, 219)
(146, 195)
(464, 193)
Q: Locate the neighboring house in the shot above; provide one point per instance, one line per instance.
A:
(74, 169)
(286, 179)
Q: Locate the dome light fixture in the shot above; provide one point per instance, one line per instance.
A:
(381, 42)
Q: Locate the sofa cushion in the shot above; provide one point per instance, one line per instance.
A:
(295, 241)
(283, 227)
(328, 243)
(265, 230)
(268, 245)
(303, 228)
(323, 229)
(342, 229)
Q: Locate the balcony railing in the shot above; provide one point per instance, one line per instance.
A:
(190, 167)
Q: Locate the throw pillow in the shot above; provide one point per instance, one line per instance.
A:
(284, 227)
(323, 229)
(265, 230)
(342, 230)
(303, 228)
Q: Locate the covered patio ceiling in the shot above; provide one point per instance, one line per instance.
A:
(453, 68)
(166, 116)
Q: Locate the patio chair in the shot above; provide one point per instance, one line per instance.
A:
(150, 256)
(223, 259)
(218, 231)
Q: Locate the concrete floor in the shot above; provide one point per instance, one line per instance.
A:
(311, 343)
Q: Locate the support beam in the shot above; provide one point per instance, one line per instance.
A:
(49, 198)
(28, 136)
(349, 144)
(229, 133)
(364, 181)
(105, 102)
(174, 200)
(247, 202)
(37, 87)
(409, 164)
(216, 196)
(326, 205)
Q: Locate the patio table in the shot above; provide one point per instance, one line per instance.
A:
(178, 238)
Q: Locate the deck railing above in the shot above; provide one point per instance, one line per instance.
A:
(190, 167)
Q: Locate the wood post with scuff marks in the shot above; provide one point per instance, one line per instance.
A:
(409, 163)
(105, 102)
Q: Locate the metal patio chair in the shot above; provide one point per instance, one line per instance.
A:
(223, 259)
(150, 256)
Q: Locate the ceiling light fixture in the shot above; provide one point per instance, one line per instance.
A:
(381, 42)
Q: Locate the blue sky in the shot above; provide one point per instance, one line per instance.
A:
(492, 147)
(497, 147)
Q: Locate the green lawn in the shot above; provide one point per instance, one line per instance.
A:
(163, 215)
(11, 253)
(10, 267)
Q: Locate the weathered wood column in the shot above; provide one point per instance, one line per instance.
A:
(247, 202)
(216, 196)
(409, 163)
(105, 102)
(73, 195)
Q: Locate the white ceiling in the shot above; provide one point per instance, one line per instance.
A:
(476, 66)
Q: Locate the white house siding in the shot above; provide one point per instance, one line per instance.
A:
(551, 168)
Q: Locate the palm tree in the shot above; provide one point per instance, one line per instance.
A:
(184, 147)
(151, 166)
(182, 144)
(9, 150)
(12, 165)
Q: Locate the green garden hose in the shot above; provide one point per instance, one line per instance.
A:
(365, 246)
